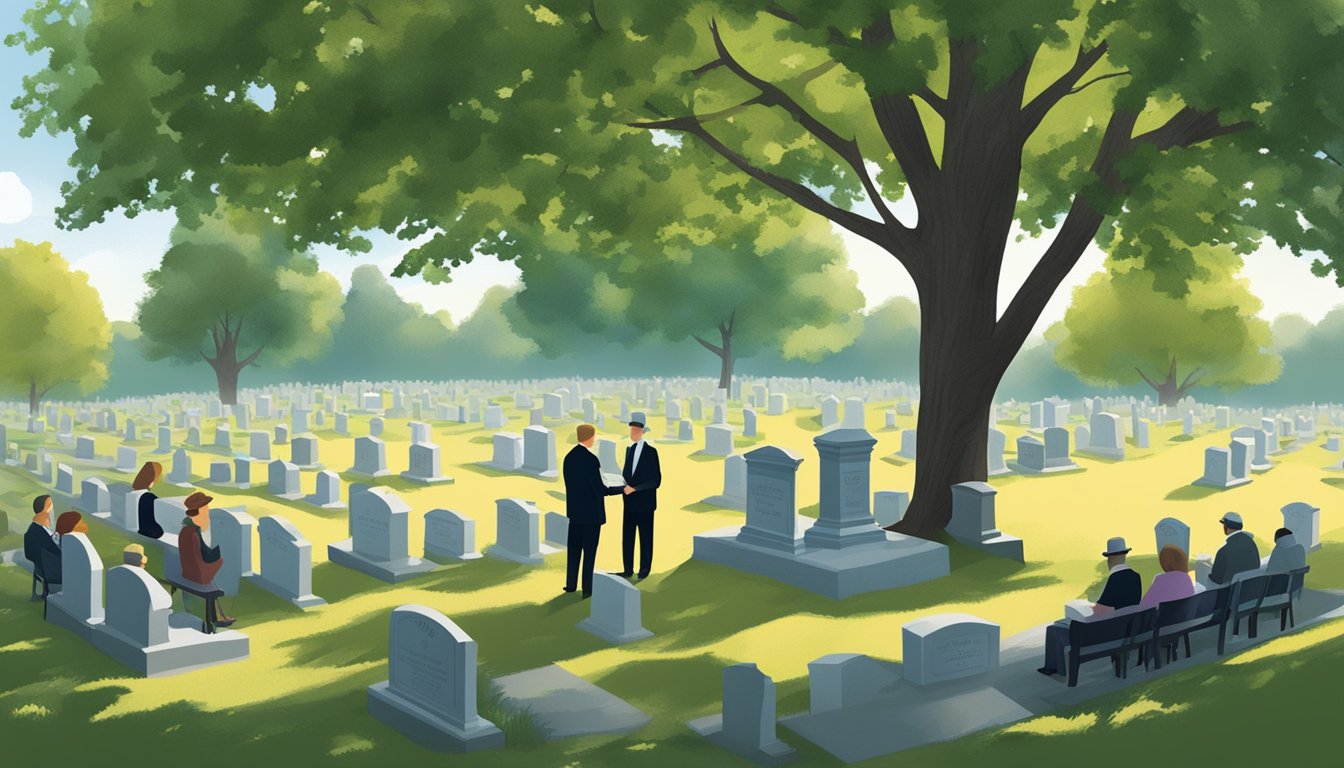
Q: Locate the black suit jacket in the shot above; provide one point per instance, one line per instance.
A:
(645, 479)
(1123, 589)
(584, 488)
(35, 540)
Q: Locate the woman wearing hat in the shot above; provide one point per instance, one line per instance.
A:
(201, 562)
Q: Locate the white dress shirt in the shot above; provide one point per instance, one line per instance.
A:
(634, 459)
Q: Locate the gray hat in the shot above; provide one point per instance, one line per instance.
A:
(637, 419)
(1232, 520)
(1115, 546)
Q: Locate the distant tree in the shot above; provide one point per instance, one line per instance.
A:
(1313, 367)
(55, 332)
(1290, 330)
(231, 292)
(1122, 329)
(771, 280)
(886, 348)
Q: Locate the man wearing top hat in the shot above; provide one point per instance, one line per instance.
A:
(1124, 588)
(642, 475)
(1237, 555)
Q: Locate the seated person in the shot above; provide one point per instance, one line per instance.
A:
(1174, 582)
(1287, 554)
(70, 522)
(1123, 590)
(39, 537)
(200, 562)
(1237, 555)
(149, 475)
(134, 556)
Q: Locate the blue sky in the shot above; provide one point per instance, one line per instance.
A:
(118, 252)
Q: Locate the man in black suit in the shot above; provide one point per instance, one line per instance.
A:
(1124, 588)
(38, 539)
(585, 506)
(642, 475)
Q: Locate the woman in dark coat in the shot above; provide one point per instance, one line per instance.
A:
(148, 476)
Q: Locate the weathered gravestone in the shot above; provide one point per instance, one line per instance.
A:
(973, 522)
(450, 535)
(518, 532)
(370, 457)
(430, 693)
(1304, 521)
(425, 465)
(507, 455)
(379, 546)
(231, 531)
(78, 607)
(615, 615)
(1174, 533)
(747, 725)
(286, 562)
(948, 647)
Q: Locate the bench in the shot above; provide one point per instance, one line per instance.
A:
(1263, 593)
(1178, 619)
(1112, 637)
(172, 573)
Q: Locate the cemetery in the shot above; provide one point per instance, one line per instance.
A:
(675, 384)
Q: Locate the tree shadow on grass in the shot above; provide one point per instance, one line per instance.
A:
(334, 582)
(481, 469)
(701, 603)
(1180, 438)
(1191, 493)
(1334, 482)
(810, 423)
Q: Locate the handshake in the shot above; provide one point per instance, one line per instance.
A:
(629, 490)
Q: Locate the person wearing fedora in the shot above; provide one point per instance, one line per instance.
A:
(1124, 588)
(642, 475)
(200, 561)
(1237, 555)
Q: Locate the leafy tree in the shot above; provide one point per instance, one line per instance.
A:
(230, 292)
(1121, 330)
(1203, 123)
(736, 285)
(1313, 367)
(886, 348)
(55, 331)
(1289, 331)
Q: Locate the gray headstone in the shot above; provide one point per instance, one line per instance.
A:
(615, 615)
(450, 534)
(231, 531)
(286, 561)
(771, 503)
(1172, 532)
(138, 607)
(844, 518)
(948, 646)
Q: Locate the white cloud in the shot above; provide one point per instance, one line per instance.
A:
(16, 202)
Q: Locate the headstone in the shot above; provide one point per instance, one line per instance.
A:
(779, 404)
(430, 693)
(231, 531)
(889, 507)
(303, 451)
(539, 452)
(909, 444)
(686, 430)
(450, 535)
(221, 472)
(242, 472)
(370, 457)
(286, 562)
(419, 432)
(94, 498)
(1057, 448)
(223, 437)
(138, 608)
(552, 406)
(830, 411)
(973, 522)
(844, 518)
(842, 680)
(342, 424)
(1304, 521)
(615, 613)
(379, 545)
(748, 422)
(83, 448)
(283, 480)
(948, 646)
(1218, 469)
(259, 446)
(79, 604)
(424, 465)
(508, 451)
(1106, 438)
(1172, 532)
(181, 471)
(518, 532)
(772, 520)
(748, 723)
(1030, 454)
(165, 444)
(126, 459)
(376, 426)
(718, 439)
(994, 448)
(327, 491)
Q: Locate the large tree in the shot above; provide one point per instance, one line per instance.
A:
(1121, 330)
(52, 320)
(231, 293)
(488, 125)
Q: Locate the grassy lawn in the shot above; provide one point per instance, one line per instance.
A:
(301, 693)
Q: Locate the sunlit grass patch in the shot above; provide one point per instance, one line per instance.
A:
(345, 744)
(1051, 725)
(1143, 708)
(32, 711)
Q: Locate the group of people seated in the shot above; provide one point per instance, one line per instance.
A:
(1124, 586)
(199, 561)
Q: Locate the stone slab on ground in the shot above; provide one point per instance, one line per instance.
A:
(564, 704)
(428, 729)
(391, 571)
(187, 648)
(835, 573)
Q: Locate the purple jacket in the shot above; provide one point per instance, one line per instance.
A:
(1168, 586)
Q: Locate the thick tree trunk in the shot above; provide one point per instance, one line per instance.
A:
(226, 364)
(723, 350)
(34, 398)
(1169, 392)
(226, 375)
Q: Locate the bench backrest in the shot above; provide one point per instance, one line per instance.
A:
(1249, 593)
(1121, 627)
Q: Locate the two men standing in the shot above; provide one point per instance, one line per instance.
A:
(585, 504)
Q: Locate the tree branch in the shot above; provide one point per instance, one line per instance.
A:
(1190, 126)
(716, 350)
(250, 359)
(1144, 376)
(935, 102)
(903, 129)
(1036, 109)
(1190, 380)
(1098, 79)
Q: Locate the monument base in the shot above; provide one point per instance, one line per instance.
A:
(1002, 545)
(57, 615)
(451, 556)
(773, 753)
(437, 480)
(187, 648)
(836, 573)
(1025, 470)
(427, 729)
(1262, 468)
(338, 504)
(1104, 453)
(499, 467)
(374, 476)
(391, 571)
(543, 550)
(727, 502)
(612, 634)
(302, 601)
(1222, 486)
(542, 474)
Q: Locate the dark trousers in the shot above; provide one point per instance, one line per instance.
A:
(643, 523)
(1056, 647)
(582, 542)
